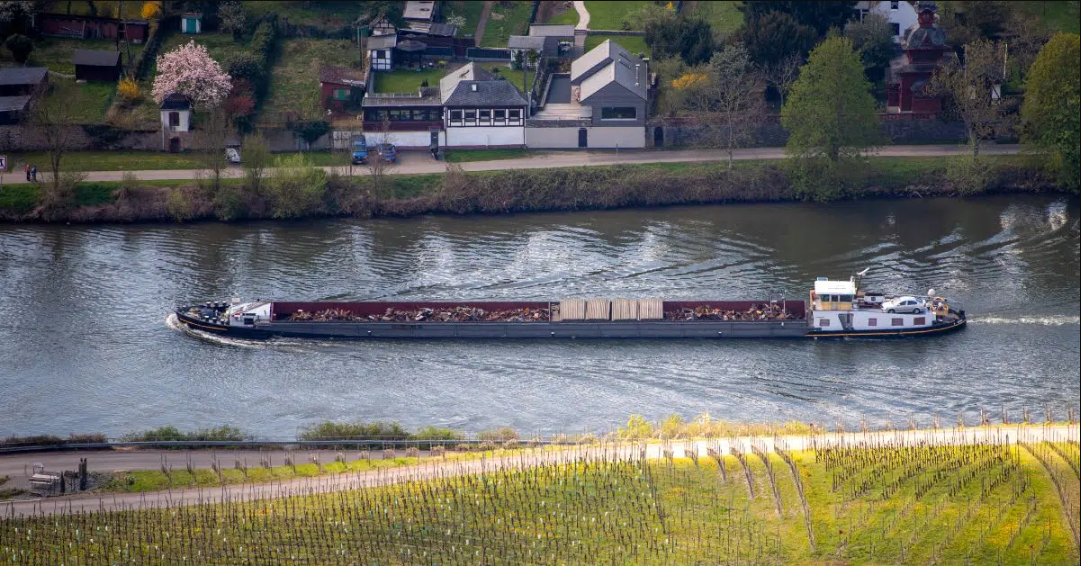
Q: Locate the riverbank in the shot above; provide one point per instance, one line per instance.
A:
(461, 192)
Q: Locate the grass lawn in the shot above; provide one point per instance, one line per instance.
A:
(466, 155)
(55, 52)
(723, 17)
(111, 160)
(634, 44)
(1057, 16)
(326, 15)
(220, 46)
(295, 77)
(610, 15)
(502, 70)
(504, 22)
(405, 81)
(93, 99)
(567, 16)
(468, 10)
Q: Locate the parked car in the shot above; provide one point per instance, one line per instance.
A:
(904, 304)
(232, 155)
(387, 152)
(360, 150)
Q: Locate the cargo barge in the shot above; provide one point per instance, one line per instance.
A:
(834, 309)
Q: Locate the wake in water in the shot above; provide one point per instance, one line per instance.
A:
(1052, 320)
(173, 323)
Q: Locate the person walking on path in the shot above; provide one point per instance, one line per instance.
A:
(27, 172)
(34, 173)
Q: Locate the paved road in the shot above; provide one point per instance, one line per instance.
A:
(583, 15)
(412, 163)
(527, 458)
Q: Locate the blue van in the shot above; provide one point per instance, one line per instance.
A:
(360, 150)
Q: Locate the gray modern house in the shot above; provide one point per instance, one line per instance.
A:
(602, 103)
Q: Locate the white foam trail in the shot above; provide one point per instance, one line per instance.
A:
(1053, 320)
(174, 323)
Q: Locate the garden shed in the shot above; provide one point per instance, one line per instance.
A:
(96, 65)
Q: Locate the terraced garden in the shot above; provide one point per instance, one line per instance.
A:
(877, 501)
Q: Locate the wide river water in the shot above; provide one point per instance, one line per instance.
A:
(85, 344)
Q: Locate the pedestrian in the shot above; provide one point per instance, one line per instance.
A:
(34, 173)
(27, 172)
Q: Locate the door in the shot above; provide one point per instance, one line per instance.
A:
(658, 137)
(174, 145)
(583, 140)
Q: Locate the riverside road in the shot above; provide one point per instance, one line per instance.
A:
(416, 163)
(624, 451)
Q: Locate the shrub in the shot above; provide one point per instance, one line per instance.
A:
(20, 47)
(969, 175)
(501, 434)
(180, 206)
(637, 428)
(170, 433)
(297, 187)
(436, 433)
(128, 92)
(329, 430)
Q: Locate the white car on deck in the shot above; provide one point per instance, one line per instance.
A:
(913, 305)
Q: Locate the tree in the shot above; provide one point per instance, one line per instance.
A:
(969, 21)
(970, 87)
(689, 38)
(782, 74)
(232, 19)
(726, 97)
(818, 16)
(873, 40)
(774, 37)
(151, 10)
(14, 16)
(189, 70)
(20, 47)
(210, 140)
(256, 160)
(1051, 113)
(830, 111)
(54, 118)
(297, 187)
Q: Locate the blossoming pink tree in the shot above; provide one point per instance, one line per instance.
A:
(189, 70)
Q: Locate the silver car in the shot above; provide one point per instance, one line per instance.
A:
(904, 305)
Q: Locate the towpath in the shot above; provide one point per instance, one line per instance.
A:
(414, 163)
(434, 469)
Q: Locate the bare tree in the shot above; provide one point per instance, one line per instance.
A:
(377, 166)
(210, 142)
(54, 118)
(974, 88)
(783, 74)
(727, 97)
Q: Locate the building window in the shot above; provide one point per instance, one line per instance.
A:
(898, 322)
(174, 119)
(500, 114)
(485, 117)
(894, 5)
(895, 29)
(619, 113)
(823, 322)
(380, 54)
(920, 321)
(514, 114)
(341, 94)
(872, 322)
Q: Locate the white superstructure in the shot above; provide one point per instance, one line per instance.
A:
(841, 306)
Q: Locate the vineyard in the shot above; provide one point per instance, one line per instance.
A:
(1005, 500)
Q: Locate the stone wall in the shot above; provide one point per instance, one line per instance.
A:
(898, 130)
(26, 138)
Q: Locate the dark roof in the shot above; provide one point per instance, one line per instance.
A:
(96, 58)
(341, 75)
(176, 101)
(387, 41)
(444, 30)
(496, 92)
(534, 42)
(13, 103)
(411, 45)
(22, 75)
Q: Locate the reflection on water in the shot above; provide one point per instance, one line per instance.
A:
(83, 346)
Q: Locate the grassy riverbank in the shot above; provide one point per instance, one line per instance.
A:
(502, 192)
(997, 502)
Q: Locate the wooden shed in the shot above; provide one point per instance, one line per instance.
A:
(97, 65)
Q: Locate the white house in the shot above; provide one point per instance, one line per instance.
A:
(480, 110)
(175, 121)
(901, 15)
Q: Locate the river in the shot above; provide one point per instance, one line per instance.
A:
(85, 345)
